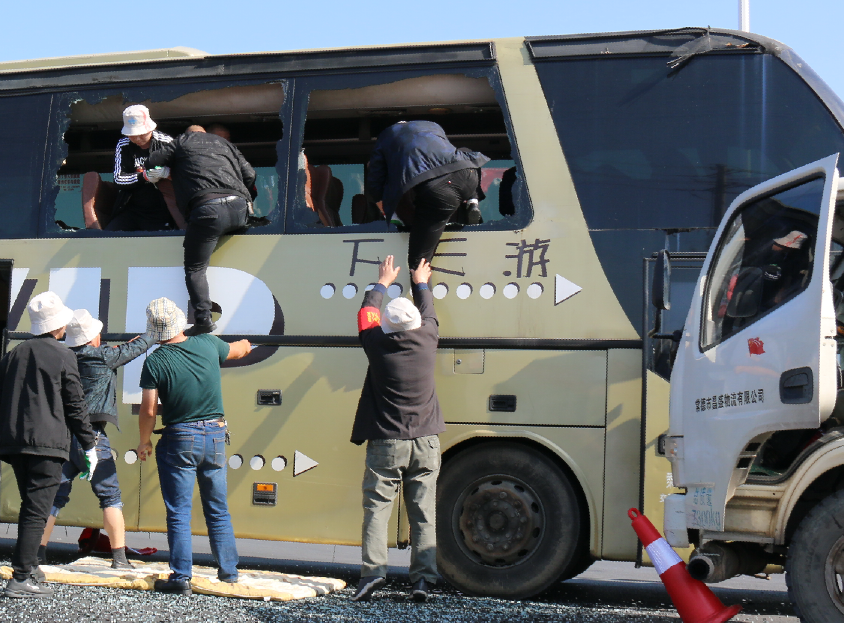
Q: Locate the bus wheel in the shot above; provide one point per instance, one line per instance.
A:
(815, 564)
(508, 521)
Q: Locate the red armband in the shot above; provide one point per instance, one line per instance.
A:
(368, 318)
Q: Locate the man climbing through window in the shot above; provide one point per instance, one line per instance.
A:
(415, 158)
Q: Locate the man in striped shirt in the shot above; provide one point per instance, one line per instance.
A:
(140, 205)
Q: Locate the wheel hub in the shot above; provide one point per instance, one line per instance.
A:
(834, 574)
(501, 521)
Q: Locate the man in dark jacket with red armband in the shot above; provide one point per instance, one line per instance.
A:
(41, 406)
(214, 186)
(399, 417)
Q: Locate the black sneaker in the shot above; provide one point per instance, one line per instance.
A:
(175, 587)
(26, 588)
(367, 586)
(419, 590)
(200, 328)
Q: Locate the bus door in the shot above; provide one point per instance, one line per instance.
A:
(671, 279)
(758, 352)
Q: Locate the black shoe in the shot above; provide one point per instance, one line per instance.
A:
(367, 586)
(38, 575)
(419, 591)
(200, 328)
(175, 587)
(26, 588)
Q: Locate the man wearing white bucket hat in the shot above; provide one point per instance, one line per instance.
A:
(134, 202)
(41, 406)
(399, 417)
(185, 373)
(98, 365)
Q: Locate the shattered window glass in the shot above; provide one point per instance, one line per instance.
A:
(82, 152)
(339, 119)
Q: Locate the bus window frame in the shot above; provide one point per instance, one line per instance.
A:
(56, 149)
(300, 92)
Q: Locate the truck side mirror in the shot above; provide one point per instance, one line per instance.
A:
(662, 281)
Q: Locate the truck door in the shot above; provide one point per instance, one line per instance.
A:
(758, 352)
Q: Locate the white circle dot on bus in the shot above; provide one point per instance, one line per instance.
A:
(535, 290)
(440, 290)
(369, 287)
(487, 291)
(511, 290)
(463, 291)
(235, 461)
(256, 462)
(327, 291)
(395, 290)
(279, 463)
(350, 291)
(131, 457)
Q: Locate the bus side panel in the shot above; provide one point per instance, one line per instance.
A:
(621, 485)
(552, 388)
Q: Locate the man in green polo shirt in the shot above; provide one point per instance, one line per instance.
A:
(184, 372)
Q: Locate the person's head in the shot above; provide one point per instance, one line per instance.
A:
(137, 125)
(792, 241)
(400, 314)
(83, 329)
(194, 128)
(220, 130)
(165, 320)
(48, 314)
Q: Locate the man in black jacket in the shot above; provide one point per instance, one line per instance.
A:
(214, 186)
(41, 405)
(399, 416)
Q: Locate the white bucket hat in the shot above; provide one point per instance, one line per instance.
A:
(136, 121)
(82, 329)
(48, 313)
(400, 314)
(164, 320)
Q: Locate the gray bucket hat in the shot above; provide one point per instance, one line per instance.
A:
(164, 319)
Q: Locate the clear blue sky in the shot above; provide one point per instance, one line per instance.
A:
(37, 29)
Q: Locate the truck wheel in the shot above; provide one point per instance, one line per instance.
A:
(815, 564)
(508, 522)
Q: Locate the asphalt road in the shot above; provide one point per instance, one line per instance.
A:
(608, 591)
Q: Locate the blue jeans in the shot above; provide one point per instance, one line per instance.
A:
(104, 483)
(187, 453)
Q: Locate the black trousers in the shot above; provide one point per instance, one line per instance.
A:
(208, 222)
(38, 479)
(435, 201)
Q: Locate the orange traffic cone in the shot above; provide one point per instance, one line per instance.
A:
(694, 601)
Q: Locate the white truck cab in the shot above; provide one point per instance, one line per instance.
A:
(754, 435)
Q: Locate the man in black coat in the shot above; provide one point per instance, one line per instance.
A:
(41, 405)
(214, 187)
(399, 417)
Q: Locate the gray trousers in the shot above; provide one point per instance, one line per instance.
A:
(415, 464)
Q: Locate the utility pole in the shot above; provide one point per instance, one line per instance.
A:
(744, 15)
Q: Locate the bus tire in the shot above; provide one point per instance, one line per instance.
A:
(815, 589)
(508, 521)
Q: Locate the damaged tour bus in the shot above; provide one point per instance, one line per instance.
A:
(604, 149)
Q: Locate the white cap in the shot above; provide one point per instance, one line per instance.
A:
(136, 121)
(400, 314)
(48, 313)
(164, 319)
(82, 328)
(793, 240)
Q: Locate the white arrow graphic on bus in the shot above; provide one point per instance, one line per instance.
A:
(564, 289)
(302, 463)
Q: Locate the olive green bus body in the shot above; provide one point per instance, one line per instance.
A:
(540, 366)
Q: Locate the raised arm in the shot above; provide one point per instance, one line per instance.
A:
(123, 354)
(369, 315)
(421, 293)
(163, 156)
